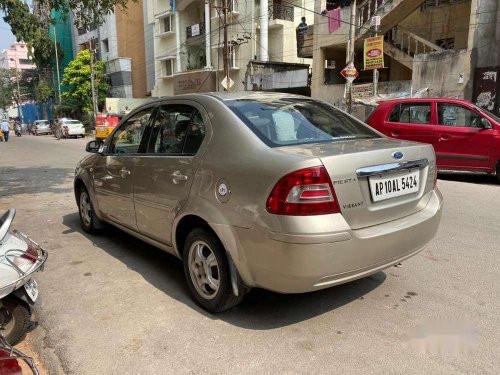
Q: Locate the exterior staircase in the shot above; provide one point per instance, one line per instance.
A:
(391, 13)
(402, 45)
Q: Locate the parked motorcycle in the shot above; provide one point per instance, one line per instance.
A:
(20, 258)
(13, 361)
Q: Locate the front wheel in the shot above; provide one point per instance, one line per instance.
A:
(88, 219)
(15, 318)
(206, 270)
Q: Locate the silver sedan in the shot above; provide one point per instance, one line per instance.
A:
(261, 190)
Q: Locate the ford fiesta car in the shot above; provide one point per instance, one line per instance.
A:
(261, 190)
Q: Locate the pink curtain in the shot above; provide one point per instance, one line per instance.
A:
(333, 19)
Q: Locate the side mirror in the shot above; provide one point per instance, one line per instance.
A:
(485, 123)
(94, 146)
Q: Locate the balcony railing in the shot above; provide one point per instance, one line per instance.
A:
(195, 30)
(280, 12)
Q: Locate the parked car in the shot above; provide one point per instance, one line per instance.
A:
(465, 137)
(41, 127)
(260, 190)
(66, 127)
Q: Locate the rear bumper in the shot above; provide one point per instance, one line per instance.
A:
(76, 131)
(291, 263)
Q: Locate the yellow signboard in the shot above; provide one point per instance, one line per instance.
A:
(373, 54)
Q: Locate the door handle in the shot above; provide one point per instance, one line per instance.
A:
(395, 133)
(444, 137)
(177, 176)
(124, 172)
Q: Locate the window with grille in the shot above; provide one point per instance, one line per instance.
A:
(438, 3)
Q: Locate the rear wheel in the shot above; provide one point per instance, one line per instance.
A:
(88, 219)
(498, 172)
(15, 319)
(206, 269)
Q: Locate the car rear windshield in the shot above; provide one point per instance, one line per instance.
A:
(42, 122)
(72, 122)
(295, 121)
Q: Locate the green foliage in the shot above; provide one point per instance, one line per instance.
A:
(6, 88)
(44, 91)
(77, 79)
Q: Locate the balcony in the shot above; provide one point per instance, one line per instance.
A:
(280, 12)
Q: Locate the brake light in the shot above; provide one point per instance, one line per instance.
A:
(26, 260)
(8, 364)
(304, 192)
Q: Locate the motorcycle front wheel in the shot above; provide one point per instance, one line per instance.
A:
(15, 318)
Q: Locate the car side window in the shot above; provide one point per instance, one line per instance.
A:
(456, 115)
(178, 130)
(127, 139)
(413, 113)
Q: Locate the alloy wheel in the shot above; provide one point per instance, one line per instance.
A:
(85, 208)
(204, 269)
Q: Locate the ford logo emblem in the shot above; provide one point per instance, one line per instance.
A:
(397, 155)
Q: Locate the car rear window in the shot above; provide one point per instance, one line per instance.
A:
(74, 122)
(414, 113)
(295, 121)
(42, 122)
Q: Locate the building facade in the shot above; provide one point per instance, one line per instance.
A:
(16, 57)
(188, 40)
(445, 46)
(120, 43)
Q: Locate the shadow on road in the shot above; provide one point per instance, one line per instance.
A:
(482, 179)
(260, 310)
(31, 180)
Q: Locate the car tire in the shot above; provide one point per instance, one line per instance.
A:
(88, 219)
(205, 260)
(498, 172)
(20, 316)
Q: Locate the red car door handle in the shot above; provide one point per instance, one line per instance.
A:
(395, 133)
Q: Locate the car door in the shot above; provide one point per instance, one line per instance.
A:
(163, 178)
(463, 143)
(414, 122)
(113, 177)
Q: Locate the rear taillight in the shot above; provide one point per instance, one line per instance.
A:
(26, 260)
(8, 364)
(304, 192)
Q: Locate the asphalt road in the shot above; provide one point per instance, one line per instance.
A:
(114, 305)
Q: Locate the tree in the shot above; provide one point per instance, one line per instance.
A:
(6, 88)
(77, 79)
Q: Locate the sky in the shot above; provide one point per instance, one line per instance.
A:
(6, 37)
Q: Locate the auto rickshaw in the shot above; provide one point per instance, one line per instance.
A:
(105, 123)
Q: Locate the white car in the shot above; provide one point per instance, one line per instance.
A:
(71, 128)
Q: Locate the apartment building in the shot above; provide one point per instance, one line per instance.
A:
(446, 46)
(120, 43)
(188, 41)
(16, 57)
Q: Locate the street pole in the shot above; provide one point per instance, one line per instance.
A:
(19, 107)
(225, 50)
(350, 54)
(57, 67)
(92, 79)
(375, 71)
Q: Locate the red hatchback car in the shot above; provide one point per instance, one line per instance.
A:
(465, 137)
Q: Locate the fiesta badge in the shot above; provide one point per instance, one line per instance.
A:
(397, 155)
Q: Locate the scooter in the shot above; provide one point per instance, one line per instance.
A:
(13, 361)
(17, 131)
(20, 258)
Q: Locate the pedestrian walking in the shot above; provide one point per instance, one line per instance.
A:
(5, 130)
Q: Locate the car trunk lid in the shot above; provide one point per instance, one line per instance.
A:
(353, 164)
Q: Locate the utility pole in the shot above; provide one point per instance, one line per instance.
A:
(375, 23)
(92, 79)
(225, 50)
(57, 67)
(350, 54)
(19, 106)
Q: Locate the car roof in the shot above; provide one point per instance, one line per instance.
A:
(420, 100)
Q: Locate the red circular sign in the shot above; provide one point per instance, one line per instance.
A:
(374, 52)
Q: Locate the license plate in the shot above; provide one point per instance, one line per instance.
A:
(394, 185)
(31, 288)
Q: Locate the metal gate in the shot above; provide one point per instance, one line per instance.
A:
(487, 89)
